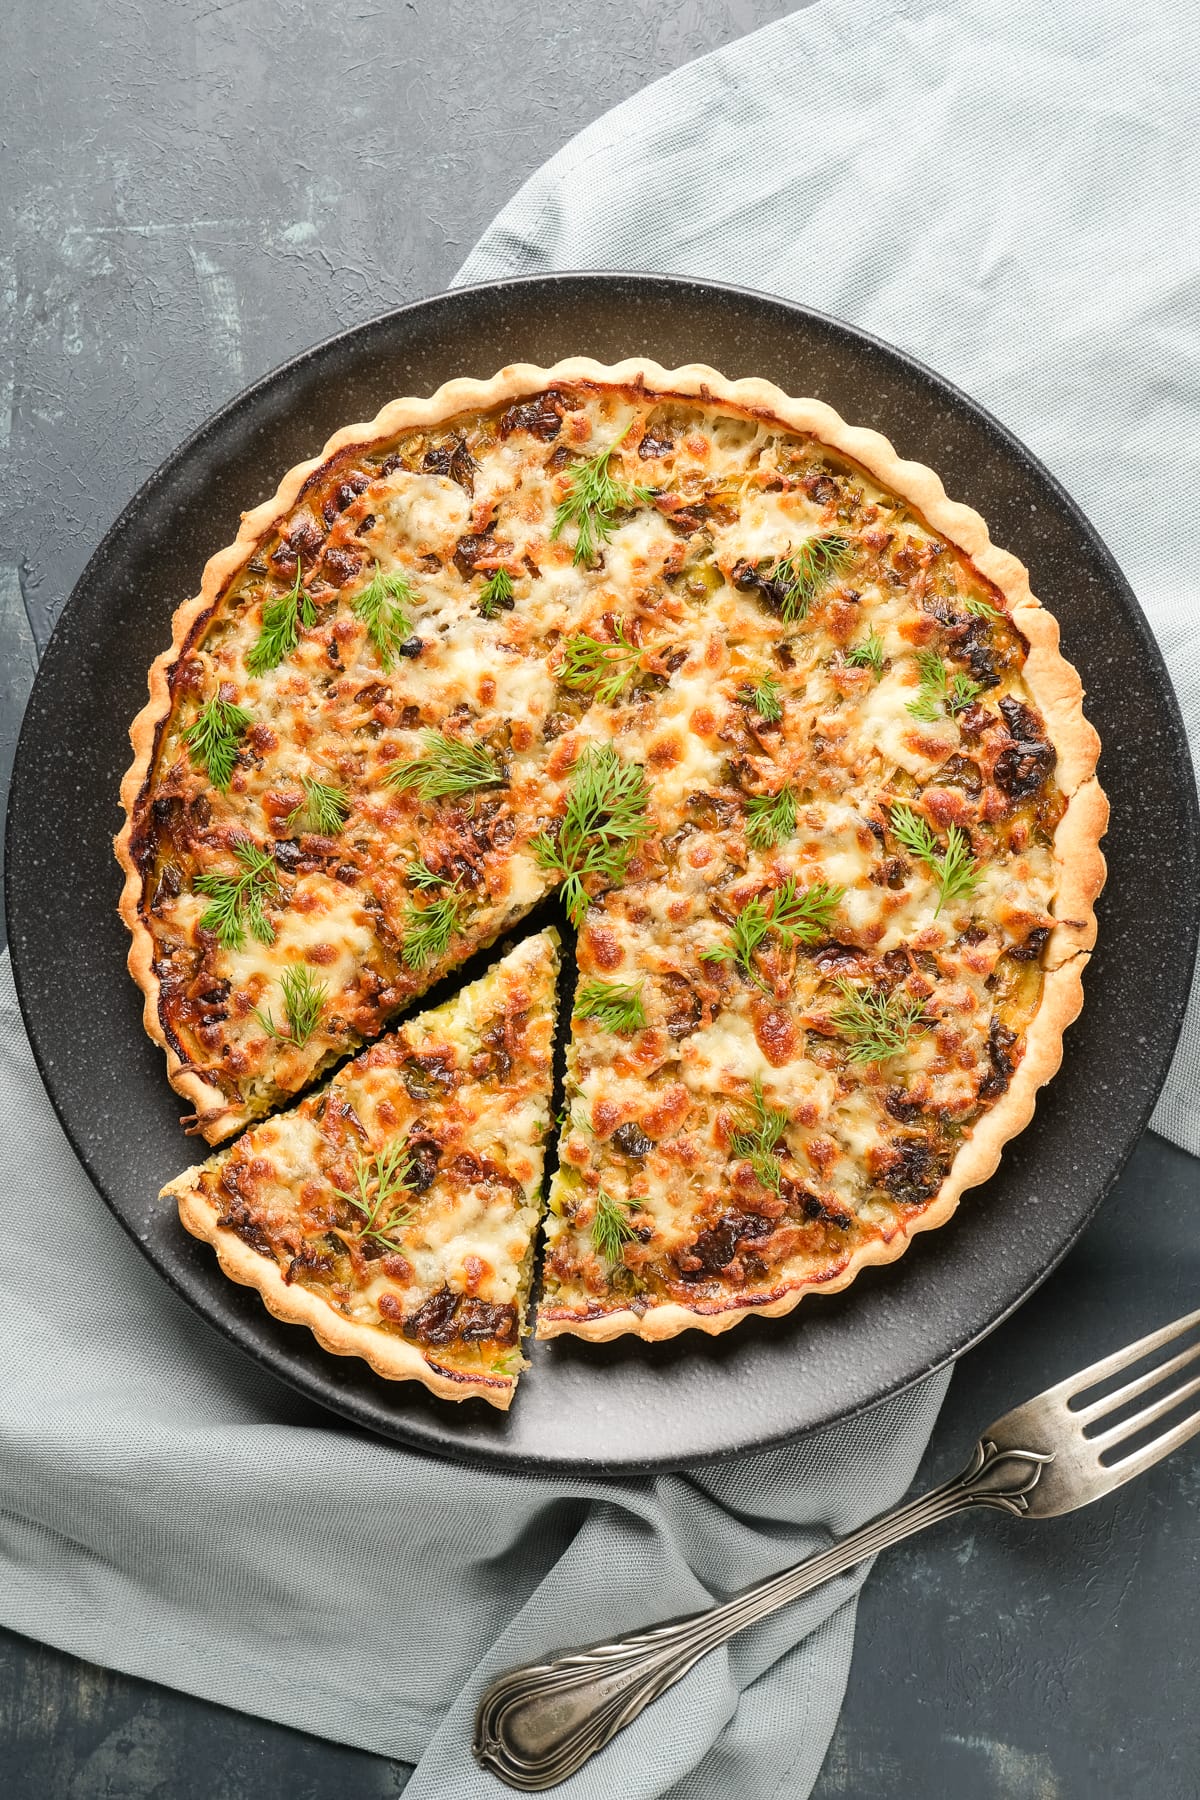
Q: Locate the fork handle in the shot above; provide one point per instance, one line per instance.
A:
(538, 1724)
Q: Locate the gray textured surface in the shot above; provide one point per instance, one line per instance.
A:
(198, 190)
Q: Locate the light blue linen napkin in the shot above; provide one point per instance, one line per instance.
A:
(1003, 192)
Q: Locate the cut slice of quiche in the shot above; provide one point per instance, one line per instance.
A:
(394, 1210)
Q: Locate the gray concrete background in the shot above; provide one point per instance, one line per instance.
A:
(194, 191)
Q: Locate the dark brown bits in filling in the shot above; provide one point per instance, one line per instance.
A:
(915, 1172)
(541, 416)
(655, 443)
(453, 460)
(1023, 768)
(1000, 1045)
(447, 1318)
(631, 1140)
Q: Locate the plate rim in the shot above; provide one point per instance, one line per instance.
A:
(498, 1456)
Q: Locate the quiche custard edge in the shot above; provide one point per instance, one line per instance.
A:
(639, 646)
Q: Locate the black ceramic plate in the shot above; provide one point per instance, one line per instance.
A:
(627, 1406)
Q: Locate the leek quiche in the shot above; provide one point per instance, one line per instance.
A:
(394, 1211)
(788, 742)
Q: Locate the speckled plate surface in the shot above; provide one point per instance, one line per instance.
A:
(627, 1406)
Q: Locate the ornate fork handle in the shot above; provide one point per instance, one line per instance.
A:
(537, 1725)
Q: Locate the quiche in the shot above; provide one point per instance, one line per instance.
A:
(394, 1210)
(784, 741)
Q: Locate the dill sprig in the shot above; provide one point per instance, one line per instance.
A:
(604, 819)
(803, 572)
(324, 808)
(379, 1178)
(794, 914)
(427, 930)
(592, 666)
(770, 818)
(868, 655)
(759, 1139)
(804, 915)
(212, 738)
(239, 901)
(383, 608)
(497, 594)
(876, 1025)
(303, 999)
(420, 875)
(569, 1120)
(748, 933)
(615, 1005)
(593, 499)
(931, 687)
(963, 693)
(281, 622)
(938, 690)
(981, 609)
(954, 868)
(766, 697)
(448, 766)
(611, 1228)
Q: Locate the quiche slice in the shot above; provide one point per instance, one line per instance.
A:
(394, 1211)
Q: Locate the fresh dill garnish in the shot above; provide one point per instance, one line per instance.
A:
(766, 697)
(212, 738)
(303, 998)
(931, 688)
(420, 875)
(770, 818)
(794, 914)
(611, 1228)
(448, 766)
(281, 622)
(963, 693)
(804, 915)
(981, 609)
(591, 666)
(569, 1120)
(876, 1025)
(953, 868)
(605, 817)
(239, 901)
(497, 594)
(938, 690)
(615, 1005)
(383, 608)
(747, 934)
(427, 930)
(593, 499)
(379, 1179)
(759, 1139)
(802, 573)
(868, 655)
(324, 808)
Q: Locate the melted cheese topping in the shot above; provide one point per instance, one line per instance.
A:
(827, 703)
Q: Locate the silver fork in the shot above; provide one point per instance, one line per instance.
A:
(537, 1725)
